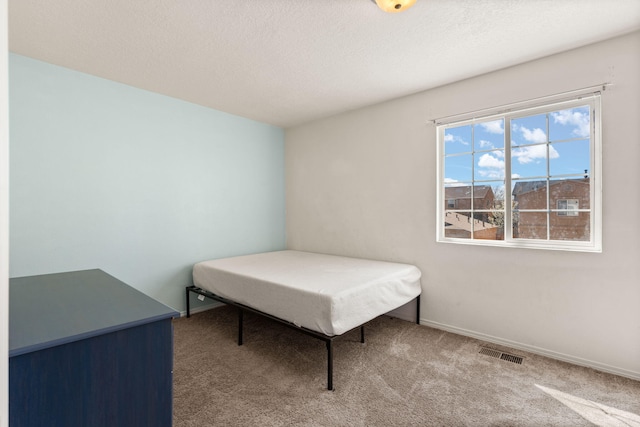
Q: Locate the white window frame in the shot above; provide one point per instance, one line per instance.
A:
(584, 97)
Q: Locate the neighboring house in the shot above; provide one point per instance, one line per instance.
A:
(459, 224)
(566, 196)
(460, 197)
(566, 222)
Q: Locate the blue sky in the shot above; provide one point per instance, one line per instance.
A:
(481, 148)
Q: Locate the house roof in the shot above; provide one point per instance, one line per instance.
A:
(464, 192)
(522, 187)
(287, 62)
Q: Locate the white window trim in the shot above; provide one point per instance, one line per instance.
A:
(587, 96)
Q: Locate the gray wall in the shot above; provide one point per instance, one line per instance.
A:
(107, 176)
(363, 184)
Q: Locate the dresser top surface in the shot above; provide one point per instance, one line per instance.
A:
(54, 309)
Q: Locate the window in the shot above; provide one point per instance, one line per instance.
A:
(568, 207)
(527, 177)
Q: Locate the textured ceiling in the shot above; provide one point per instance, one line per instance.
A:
(286, 62)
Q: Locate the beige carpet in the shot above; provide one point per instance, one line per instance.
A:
(404, 375)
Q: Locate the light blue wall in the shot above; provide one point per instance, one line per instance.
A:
(138, 184)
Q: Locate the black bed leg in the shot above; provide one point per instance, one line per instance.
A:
(362, 334)
(188, 306)
(330, 365)
(240, 321)
(418, 310)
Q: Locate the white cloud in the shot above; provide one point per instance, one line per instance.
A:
(575, 118)
(491, 174)
(493, 168)
(486, 144)
(533, 135)
(533, 153)
(493, 127)
(453, 182)
(454, 138)
(488, 161)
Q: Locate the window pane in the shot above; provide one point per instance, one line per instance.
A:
(458, 168)
(530, 225)
(570, 194)
(530, 194)
(499, 194)
(572, 158)
(483, 197)
(457, 140)
(575, 227)
(567, 124)
(457, 224)
(485, 228)
(489, 165)
(530, 160)
(489, 135)
(457, 197)
(492, 228)
(529, 130)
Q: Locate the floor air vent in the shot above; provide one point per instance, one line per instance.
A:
(500, 355)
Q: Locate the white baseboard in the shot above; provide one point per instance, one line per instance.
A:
(402, 316)
(195, 310)
(533, 349)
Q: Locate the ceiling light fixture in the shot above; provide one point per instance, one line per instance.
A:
(394, 6)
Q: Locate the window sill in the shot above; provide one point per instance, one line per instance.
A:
(528, 244)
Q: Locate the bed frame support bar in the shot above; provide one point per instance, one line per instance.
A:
(240, 325)
(188, 304)
(329, 364)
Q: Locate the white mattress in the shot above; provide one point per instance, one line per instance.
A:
(325, 293)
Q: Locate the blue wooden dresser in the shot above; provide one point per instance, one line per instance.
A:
(87, 350)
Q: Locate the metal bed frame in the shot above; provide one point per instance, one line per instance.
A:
(319, 335)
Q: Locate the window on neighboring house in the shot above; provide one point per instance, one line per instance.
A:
(568, 207)
(527, 177)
